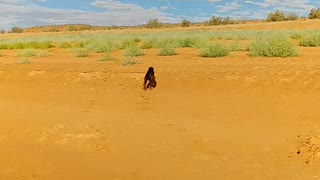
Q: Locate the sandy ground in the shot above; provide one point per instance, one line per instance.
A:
(236, 117)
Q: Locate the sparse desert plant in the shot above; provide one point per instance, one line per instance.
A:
(167, 51)
(16, 30)
(107, 57)
(133, 51)
(129, 61)
(23, 61)
(81, 53)
(291, 17)
(27, 53)
(237, 46)
(312, 41)
(215, 21)
(127, 44)
(296, 36)
(215, 50)
(153, 24)
(227, 20)
(274, 45)
(42, 53)
(276, 16)
(65, 45)
(147, 45)
(137, 39)
(314, 13)
(186, 23)
(100, 46)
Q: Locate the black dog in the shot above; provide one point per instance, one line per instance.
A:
(151, 78)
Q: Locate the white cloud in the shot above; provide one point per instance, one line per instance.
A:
(114, 13)
(228, 7)
(214, 1)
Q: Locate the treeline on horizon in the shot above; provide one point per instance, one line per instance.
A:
(155, 23)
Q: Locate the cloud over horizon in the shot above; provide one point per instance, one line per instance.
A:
(26, 13)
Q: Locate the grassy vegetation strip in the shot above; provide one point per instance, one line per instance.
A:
(214, 51)
(274, 45)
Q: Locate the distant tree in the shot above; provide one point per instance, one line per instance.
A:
(214, 21)
(186, 23)
(291, 17)
(227, 20)
(153, 24)
(16, 30)
(2, 31)
(314, 13)
(276, 16)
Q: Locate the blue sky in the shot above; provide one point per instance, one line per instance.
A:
(26, 13)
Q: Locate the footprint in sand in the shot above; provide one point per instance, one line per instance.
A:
(92, 104)
(87, 139)
(145, 102)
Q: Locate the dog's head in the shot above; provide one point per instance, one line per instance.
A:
(151, 69)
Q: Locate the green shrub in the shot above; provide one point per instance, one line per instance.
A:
(186, 23)
(276, 16)
(147, 45)
(215, 20)
(23, 61)
(314, 13)
(107, 58)
(65, 45)
(27, 53)
(16, 30)
(312, 41)
(166, 52)
(129, 61)
(291, 17)
(81, 53)
(215, 50)
(296, 36)
(153, 24)
(100, 46)
(275, 45)
(133, 51)
(43, 53)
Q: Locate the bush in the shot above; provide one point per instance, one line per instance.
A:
(166, 52)
(153, 24)
(214, 21)
(291, 17)
(108, 58)
(281, 16)
(276, 45)
(311, 41)
(220, 20)
(27, 53)
(186, 23)
(82, 53)
(16, 30)
(276, 16)
(42, 53)
(314, 13)
(24, 61)
(2, 31)
(213, 51)
(129, 61)
(133, 51)
(65, 45)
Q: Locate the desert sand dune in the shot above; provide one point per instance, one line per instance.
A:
(237, 117)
